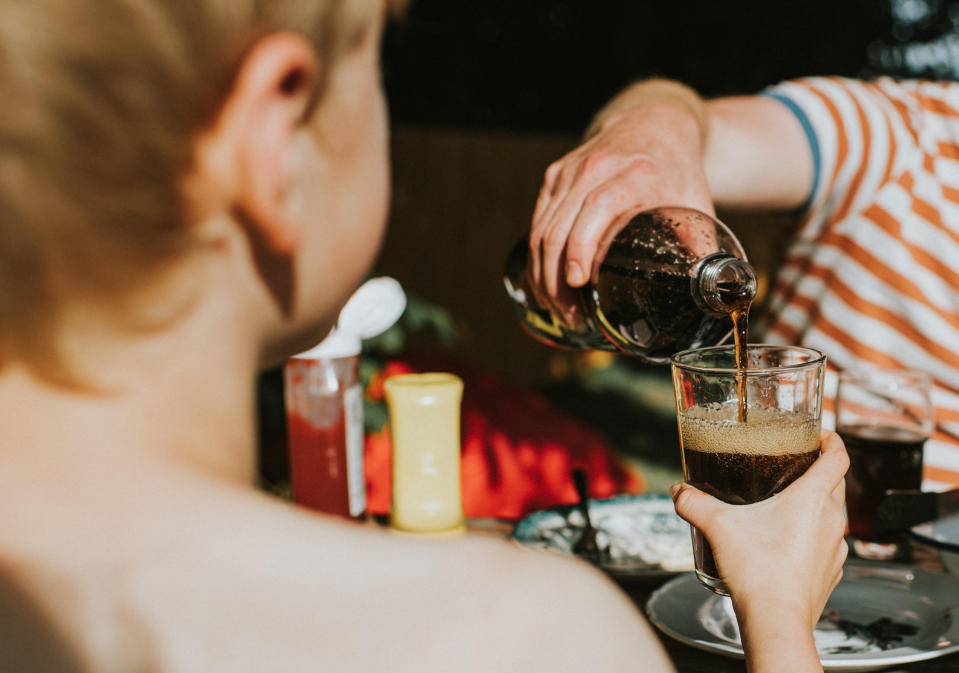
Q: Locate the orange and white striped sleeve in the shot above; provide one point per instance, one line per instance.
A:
(862, 134)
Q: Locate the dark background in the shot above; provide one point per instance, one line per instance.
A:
(484, 95)
(548, 64)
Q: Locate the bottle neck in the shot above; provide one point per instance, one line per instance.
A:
(722, 283)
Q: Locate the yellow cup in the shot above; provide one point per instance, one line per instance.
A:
(425, 432)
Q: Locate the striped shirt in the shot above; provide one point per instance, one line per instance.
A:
(872, 274)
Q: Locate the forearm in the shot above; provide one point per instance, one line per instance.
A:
(654, 92)
(758, 156)
(754, 152)
(778, 639)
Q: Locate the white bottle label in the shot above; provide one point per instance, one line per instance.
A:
(355, 475)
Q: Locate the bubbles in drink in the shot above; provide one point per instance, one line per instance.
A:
(669, 280)
(649, 310)
(767, 431)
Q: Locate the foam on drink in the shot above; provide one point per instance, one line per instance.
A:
(766, 432)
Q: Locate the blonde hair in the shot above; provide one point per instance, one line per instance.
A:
(103, 98)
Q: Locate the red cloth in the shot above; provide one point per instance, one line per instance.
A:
(517, 449)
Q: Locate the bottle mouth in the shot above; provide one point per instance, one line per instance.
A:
(722, 283)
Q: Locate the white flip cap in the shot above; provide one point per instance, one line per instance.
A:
(375, 307)
(337, 345)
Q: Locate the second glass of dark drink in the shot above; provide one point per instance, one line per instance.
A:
(884, 417)
(745, 460)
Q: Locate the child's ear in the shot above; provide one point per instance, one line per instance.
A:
(260, 122)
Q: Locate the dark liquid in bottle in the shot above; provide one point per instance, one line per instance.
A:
(880, 458)
(666, 283)
(647, 310)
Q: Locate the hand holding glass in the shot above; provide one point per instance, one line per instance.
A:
(745, 462)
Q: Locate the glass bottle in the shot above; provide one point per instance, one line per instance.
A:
(667, 281)
(324, 403)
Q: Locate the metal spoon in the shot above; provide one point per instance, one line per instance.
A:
(586, 546)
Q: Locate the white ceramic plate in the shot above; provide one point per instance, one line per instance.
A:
(880, 615)
(645, 536)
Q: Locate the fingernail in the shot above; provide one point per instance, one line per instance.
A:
(675, 489)
(574, 274)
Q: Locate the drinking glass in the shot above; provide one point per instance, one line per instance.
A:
(738, 460)
(884, 417)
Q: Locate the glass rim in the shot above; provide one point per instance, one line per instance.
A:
(818, 358)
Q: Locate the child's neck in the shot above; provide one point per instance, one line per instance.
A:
(163, 398)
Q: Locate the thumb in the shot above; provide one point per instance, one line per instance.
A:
(694, 506)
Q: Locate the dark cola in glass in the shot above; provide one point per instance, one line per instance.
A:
(880, 458)
(884, 417)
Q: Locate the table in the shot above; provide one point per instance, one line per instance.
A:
(691, 660)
